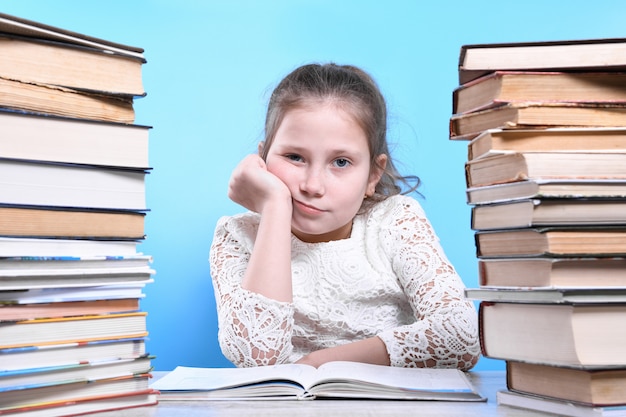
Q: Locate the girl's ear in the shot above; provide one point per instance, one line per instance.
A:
(260, 148)
(376, 174)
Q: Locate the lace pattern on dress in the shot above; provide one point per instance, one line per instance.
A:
(390, 279)
(445, 330)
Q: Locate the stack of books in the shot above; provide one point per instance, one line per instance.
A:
(546, 180)
(72, 206)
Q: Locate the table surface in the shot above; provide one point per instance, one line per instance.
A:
(486, 382)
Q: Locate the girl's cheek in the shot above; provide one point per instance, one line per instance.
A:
(282, 170)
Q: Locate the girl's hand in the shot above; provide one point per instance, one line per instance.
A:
(371, 350)
(253, 186)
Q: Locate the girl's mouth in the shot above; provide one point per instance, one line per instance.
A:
(306, 208)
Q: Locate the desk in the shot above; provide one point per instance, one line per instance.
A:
(486, 382)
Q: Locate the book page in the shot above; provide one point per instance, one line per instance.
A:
(207, 379)
(424, 379)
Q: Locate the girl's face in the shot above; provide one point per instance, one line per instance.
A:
(322, 155)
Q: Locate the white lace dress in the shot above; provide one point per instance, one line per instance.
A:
(390, 279)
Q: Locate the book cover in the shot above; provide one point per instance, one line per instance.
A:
(565, 139)
(61, 101)
(600, 54)
(32, 311)
(32, 60)
(46, 221)
(547, 188)
(37, 183)
(73, 329)
(590, 295)
(60, 395)
(31, 378)
(573, 335)
(22, 246)
(522, 166)
(559, 407)
(540, 212)
(550, 272)
(73, 140)
(501, 87)
(562, 241)
(68, 265)
(529, 115)
(69, 354)
(37, 30)
(589, 386)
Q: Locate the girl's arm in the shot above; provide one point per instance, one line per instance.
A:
(445, 331)
(269, 268)
(253, 330)
(370, 350)
(251, 270)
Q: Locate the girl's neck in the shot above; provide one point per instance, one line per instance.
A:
(339, 234)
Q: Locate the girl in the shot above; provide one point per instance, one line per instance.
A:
(332, 262)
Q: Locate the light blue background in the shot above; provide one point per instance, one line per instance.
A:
(211, 65)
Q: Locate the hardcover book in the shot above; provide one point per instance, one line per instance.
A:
(501, 87)
(600, 54)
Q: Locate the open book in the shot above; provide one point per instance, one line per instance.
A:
(331, 380)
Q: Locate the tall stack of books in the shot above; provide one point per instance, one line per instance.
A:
(72, 208)
(545, 125)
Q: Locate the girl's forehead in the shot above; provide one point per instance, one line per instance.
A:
(324, 129)
(333, 106)
(325, 117)
(327, 106)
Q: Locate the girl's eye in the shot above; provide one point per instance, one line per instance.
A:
(294, 157)
(341, 162)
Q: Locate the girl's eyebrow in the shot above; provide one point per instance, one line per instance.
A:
(335, 152)
(284, 147)
(296, 147)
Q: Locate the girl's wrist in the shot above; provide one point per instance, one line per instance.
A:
(279, 205)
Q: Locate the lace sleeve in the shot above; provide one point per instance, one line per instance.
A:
(445, 333)
(253, 330)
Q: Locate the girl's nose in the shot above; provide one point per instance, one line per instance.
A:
(313, 182)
